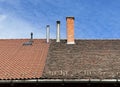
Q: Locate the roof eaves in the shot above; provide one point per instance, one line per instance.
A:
(62, 81)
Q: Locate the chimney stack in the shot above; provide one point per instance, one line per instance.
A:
(70, 30)
(58, 32)
(48, 33)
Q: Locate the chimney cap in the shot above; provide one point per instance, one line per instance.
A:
(58, 22)
(48, 25)
(31, 33)
(70, 17)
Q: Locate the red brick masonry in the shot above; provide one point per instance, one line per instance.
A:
(70, 30)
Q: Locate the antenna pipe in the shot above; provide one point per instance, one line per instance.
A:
(48, 33)
(58, 32)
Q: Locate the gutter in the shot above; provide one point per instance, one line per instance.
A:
(62, 81)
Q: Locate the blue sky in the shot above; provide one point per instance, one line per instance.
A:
(94, 19)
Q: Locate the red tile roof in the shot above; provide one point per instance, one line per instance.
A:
(22, 62)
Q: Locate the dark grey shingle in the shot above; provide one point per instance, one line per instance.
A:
(85, 59)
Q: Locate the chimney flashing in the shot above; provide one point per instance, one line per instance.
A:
(70, 42)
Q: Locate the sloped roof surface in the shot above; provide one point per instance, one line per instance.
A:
(87, 59)
(22, 62)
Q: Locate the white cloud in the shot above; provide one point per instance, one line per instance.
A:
(13, 27)
(2, 17)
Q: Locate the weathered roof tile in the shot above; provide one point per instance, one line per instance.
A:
(85, 59)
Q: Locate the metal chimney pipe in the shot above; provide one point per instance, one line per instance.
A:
(48, 33)
(31, 39)
(58, 32)
(31, 35)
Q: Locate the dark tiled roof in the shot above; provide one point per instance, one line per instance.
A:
(22, 62)
(86, 59)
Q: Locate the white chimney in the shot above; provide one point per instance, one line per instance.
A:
(58, 32)
(48, 33)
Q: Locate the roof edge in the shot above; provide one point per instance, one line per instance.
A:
(62, 81)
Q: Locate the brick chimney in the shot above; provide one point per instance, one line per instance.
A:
(70, 30)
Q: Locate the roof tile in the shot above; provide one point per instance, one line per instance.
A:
(18, 61)
(86, 59)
